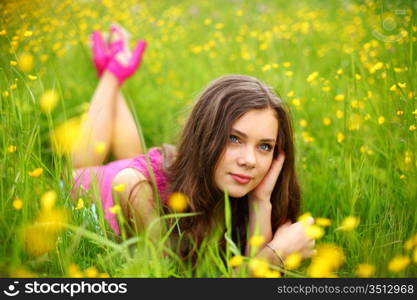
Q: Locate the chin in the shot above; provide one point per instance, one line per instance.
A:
(238, 193)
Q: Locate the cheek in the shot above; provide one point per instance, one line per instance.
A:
(264, 168)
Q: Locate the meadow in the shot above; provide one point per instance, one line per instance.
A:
(347, 70)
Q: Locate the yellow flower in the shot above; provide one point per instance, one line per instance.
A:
(365, 270)
(114, 209)
(329, 257)
(65, 136)
(5, 94)
(358, 77)
(13, 63)
(91, 272)
(381, 120)
(27, 33)
(267, 67)
(339, 114)
(323, 222)
(272, 274)
(37, 240)
(402, 85)
(11, 149)
(239, 13)
(49, 100)
(36, 172)
(13, 86)
(327, 121)
(74, 271)
(286, 64)
(293, 261)
(412, 127)
(313, 231)
(326, 89)
(219, 26)
(119, 188)
(289, 73)
(25, 62)
(411, 242)
(80, 204)
(178, 202)
(21, 272)
(340, 137)
(415, 255)
(393, 88)
(400, 113)
(256, 240)
(339, 72)
(32, 77)
(48, 200)
(312, 77)
(196, 49)
(291, 94)
(296, 102)
(263, 46)
(378, 66)
(398, 263)
(17, 204)
(303, 123)
(402, 176)
(52, 220)
(349, 223)
(236, 261)
(304, 217)
(339, 97)
(259, 267)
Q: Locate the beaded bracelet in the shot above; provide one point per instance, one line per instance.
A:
(276, 253)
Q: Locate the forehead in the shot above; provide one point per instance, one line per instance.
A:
(259, 123)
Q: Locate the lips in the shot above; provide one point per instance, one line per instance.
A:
(242, 179)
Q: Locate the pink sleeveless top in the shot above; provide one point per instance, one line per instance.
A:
(106, 173)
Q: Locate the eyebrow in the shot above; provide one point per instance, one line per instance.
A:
(245, 136)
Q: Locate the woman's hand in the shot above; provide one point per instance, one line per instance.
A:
(291, 238)
(263, 190)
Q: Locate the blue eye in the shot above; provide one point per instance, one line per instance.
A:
(269, 148)
(231, 137)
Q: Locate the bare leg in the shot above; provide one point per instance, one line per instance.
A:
(126, 141)
(97, 127)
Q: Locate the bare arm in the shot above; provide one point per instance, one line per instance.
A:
(259, 221)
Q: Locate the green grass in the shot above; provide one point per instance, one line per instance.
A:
(366, 175)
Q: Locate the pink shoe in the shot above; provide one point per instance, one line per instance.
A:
(101, 52)
(123, 71)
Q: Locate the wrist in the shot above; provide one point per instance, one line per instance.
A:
(259, 200)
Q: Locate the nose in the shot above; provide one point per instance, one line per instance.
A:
(247, 157)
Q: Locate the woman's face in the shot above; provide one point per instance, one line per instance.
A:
(248, 152)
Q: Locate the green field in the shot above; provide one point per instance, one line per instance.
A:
(347, 69)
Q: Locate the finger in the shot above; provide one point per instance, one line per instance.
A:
(309, 221)
(274, 170)
(308, 253)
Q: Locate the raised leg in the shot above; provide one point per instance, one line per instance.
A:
(97, 128)
(126, 141)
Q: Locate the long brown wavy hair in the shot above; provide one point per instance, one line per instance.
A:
(190, 169)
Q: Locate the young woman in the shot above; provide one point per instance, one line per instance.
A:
(238, 139)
